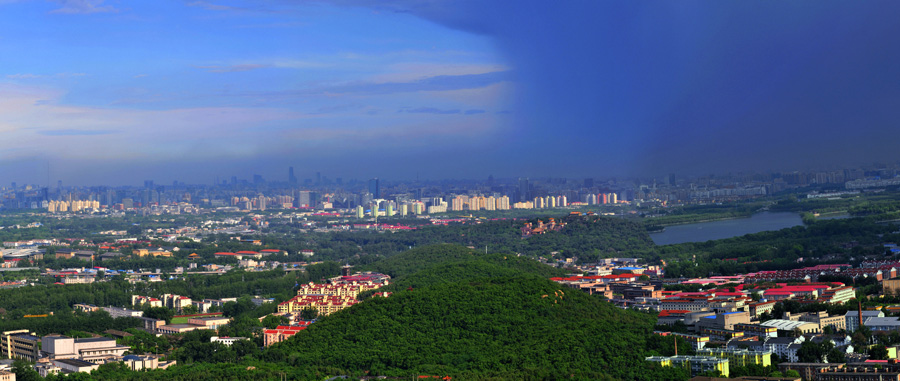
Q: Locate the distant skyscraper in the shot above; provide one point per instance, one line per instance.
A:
(291, 178)
(375, 188)
(524, 189)
(148, 184)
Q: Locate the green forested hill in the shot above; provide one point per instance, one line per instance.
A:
(508, 327)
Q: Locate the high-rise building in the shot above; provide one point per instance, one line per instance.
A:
(291, 178)
(375, 188)
(524, 191)
(503, 203)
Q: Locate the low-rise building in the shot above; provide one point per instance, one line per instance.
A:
(696, 341)
(178, 328)
(760, 308)
(724, 321)
(95, 350)
(45, 368)
(226, 340)
(739, 357)
(279, 334)
(72, 365)
(823, 320)
(756, 330)
(139, 300)
(882, 323)
(789, 326)
(210, 322)
(117, 312)
(20, 344)
(696, 364)
(137, 363)
(852, 318)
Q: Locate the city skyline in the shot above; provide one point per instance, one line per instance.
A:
(104, 92)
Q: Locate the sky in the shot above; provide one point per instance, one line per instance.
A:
(96, 92)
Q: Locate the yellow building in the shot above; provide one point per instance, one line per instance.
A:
(696, 364)
(20, 344)
(152, 252)
(739, 357)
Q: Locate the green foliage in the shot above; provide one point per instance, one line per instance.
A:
(159, 313)
(273, 321)
(813, 352)
(66, 322)
(309, 313)
(492, 326)
(878, 352)
(142, 342)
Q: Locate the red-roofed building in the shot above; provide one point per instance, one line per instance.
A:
(279, 334)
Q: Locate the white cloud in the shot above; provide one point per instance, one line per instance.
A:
(83, 7)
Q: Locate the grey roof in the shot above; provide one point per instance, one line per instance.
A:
(785, 325)
(75, 362)
(864, 314)
(28, 337)
(94, 339)
(882, 321)
(780, 340)
(745, 344)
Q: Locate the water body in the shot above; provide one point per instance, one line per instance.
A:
(705, 231)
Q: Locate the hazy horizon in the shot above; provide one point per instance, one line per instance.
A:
(113, 92)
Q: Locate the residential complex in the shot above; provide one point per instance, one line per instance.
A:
(337, 294)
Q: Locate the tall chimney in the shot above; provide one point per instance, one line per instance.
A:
(859, 303)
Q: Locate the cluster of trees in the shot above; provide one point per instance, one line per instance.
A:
(773, 250)
(58, 299)
(97, 321)
(823, 351)
(587, 237)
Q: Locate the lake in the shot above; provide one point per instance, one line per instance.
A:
(705, 231)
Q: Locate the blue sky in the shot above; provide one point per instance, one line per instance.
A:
(114, 91)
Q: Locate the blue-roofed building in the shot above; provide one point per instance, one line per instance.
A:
(725, 321)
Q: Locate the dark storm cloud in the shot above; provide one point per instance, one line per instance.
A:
(655, 86)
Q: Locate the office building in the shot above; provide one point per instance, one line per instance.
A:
(95, 350)
(20, 344)
(375, 188)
